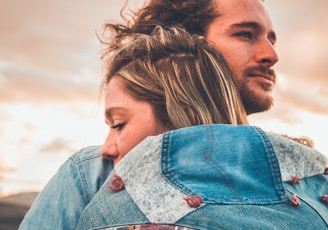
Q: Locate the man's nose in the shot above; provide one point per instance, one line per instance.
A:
(267, 54)
(109, 149)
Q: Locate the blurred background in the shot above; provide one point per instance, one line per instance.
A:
(50, 72)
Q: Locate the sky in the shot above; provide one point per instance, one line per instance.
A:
(50, 71)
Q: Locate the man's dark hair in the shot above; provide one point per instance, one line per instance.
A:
(193, 15)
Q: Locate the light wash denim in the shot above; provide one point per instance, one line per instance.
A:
(241, 173)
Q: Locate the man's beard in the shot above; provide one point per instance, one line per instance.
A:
(254, 103)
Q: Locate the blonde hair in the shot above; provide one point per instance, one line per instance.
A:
(307, 141)
(184, 78)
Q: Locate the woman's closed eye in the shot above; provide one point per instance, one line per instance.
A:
(118, 126)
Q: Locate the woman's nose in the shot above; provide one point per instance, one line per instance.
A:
(109, 149)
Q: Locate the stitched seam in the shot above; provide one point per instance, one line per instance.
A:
(311, 206)
(214, 165)
(168, 175)
(275, 168)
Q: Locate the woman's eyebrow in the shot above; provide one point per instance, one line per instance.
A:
(109, 112)
(108, 115)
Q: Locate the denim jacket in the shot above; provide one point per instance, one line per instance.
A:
(201, 177)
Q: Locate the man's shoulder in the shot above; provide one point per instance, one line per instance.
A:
(91, 167)
(88, 153)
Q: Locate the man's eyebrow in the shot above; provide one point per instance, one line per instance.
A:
(247, 24)
(254, 25)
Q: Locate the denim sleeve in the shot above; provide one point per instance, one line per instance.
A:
(60, 203)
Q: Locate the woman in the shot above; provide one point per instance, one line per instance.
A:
(182, 79)
(206, 176)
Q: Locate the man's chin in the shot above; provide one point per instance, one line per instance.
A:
(257, 102)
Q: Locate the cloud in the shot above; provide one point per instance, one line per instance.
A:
(302, 69)
(50, 50)
(57, 145)
(301, 95)
(56, 128)
(23, 83)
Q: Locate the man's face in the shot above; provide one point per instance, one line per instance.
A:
(243, 32)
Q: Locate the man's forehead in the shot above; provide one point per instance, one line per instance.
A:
(240, 11)
(223, 5)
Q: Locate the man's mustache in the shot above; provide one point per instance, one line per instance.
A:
(261, 70)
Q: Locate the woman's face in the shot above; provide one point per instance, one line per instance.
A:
(130, 121)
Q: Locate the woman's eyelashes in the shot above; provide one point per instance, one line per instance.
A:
(118, 126)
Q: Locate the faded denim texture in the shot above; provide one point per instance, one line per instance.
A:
(241, 172)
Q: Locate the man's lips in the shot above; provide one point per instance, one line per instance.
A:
(265, 78)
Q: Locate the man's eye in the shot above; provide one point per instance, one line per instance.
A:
(118, 126)
(245, 34)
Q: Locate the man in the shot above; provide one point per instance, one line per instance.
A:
(243, 31)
